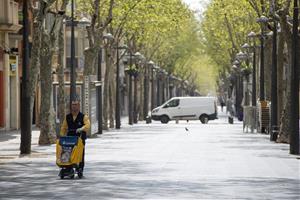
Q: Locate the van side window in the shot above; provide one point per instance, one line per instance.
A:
(173, 103)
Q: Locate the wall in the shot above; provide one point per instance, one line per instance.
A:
(2, 97)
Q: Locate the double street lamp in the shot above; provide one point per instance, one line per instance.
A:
(252, 36)
(262, 20)
(132, 71)
(274, 111)
(118, 109)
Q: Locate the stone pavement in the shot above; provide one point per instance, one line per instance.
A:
(159, 161)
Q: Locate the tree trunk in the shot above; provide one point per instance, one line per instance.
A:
(47, 135)
(280, 83)
(112, 90)
(268, 67)
(61, 104)
(111, 103)
(285, 124)
(38, 20)
(35, 60)
(90, 56)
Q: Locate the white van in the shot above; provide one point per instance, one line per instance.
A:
(187, 108)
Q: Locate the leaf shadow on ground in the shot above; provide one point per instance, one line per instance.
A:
(133, 180)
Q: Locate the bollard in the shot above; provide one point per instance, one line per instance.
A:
(230, 120)
(148, 120)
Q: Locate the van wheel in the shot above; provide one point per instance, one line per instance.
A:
(204, 119)
(164, 119)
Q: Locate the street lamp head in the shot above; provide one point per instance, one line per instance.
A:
(236, 62)
(137, 54)
(234, 67)
(241, 56)
(246, 46)
(251, 35)
(151, 63)
(156, 68)
(164, 72)
(85, 21)
(270, 34)
(124, 46)
(262, 20)
(108, 36)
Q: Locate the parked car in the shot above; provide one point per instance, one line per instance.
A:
(186, 108)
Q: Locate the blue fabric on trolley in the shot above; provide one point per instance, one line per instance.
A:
(68, 140)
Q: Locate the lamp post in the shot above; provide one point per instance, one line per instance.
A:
(130, 74)
(171, 85)
(158, 88)
(117, 113)
(146, 88)
(274, 100)
(263, 115)
(294, 134)
(164, 87)
(73, 72)
(252, 36)
(239, 90)
(153, 104)
(118, 110)
(262, 20)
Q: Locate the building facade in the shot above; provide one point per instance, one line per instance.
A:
(9, 65)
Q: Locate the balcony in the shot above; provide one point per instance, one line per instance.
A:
(9, 16)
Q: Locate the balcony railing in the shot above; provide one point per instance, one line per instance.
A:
(9, 14)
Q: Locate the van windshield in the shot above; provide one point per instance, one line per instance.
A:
(173, 103)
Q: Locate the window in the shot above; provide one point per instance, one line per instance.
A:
(173, 103)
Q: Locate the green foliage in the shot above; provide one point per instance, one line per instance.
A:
(166, 32)
(225, 27)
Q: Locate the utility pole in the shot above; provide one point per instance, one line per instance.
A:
(146, 90)
(294, 134)
(152, 89)
(135, 95)
(99, 88)
(26, 114)
(130, 112)
(254, 76)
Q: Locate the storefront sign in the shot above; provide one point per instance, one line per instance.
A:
(86, 95)
(12, 65)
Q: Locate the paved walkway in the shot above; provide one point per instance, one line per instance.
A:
(159, 161)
